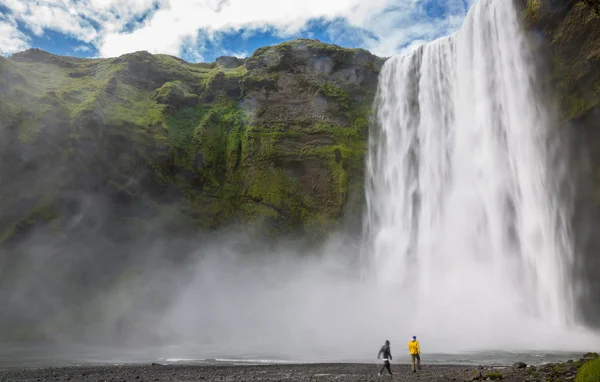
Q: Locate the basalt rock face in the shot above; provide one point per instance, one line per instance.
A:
(274, 142)
(567, 34)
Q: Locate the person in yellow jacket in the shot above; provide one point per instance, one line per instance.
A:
(415, 353)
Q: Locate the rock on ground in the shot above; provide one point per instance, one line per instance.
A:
(304, 372)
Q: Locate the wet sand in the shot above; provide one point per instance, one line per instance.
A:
(295, 372)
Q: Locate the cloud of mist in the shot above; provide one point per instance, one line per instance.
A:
(225, 295)
(244, 301)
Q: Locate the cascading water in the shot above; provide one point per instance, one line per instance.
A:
(464, 210)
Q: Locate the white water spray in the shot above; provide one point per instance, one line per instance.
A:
(464, 210)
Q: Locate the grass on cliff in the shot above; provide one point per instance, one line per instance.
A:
(292, 175)
(338, 95)
(573, 37)
(589, 372)
(339, 54)
(531, 11)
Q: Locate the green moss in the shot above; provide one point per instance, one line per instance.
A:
(203, 134)
(531, 12)
(133, 107)
(240, 71)
(218, 137)
(41, 214)
(168, 90)
(253, 210)
(181, 127)
(589, 372)
(336, 94)
(269, 186)
(494, 376)
(572, 36)
(234, 149)
(577, 106)
(222, 165)
(259, 82)
(573, 22)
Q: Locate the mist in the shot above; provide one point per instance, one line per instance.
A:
(226, 295)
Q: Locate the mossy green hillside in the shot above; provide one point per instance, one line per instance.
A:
(589, 371)
(215, 143)
(571, 33)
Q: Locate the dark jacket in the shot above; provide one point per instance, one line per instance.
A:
(386, 351)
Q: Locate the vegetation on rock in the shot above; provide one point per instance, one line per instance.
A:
(589, 372)
(571, 32)
(113, 167)
(274, 141)
(494, 376)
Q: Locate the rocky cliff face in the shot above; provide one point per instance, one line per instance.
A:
(567, 33)
(117, 172)
(274, 142)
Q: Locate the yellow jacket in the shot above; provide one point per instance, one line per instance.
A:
(413, 347)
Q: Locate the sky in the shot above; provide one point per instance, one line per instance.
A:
(201, 30)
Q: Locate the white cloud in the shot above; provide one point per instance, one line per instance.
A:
(86, 20)
(183, 19)
(238, 54)
(407, 26)
(11, 39)
(171, 26)
(82, 48)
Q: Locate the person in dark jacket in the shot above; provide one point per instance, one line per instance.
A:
(387, 357)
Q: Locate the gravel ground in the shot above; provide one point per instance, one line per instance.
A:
(302, 372)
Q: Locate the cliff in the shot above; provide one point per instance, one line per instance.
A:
(273, 143)
(567, 33)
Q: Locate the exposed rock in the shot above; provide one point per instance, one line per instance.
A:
(284, 132)
(594, 5)
(520, 365)
(174, 95)
(219, 83)
(229, 62)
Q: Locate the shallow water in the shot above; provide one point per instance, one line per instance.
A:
(49, 355)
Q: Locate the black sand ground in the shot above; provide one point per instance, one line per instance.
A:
(302, 372)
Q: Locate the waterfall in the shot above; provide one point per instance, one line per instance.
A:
(464, 208)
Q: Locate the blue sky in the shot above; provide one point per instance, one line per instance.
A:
(201, 30)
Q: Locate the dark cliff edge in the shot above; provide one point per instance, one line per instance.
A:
(567, 35)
